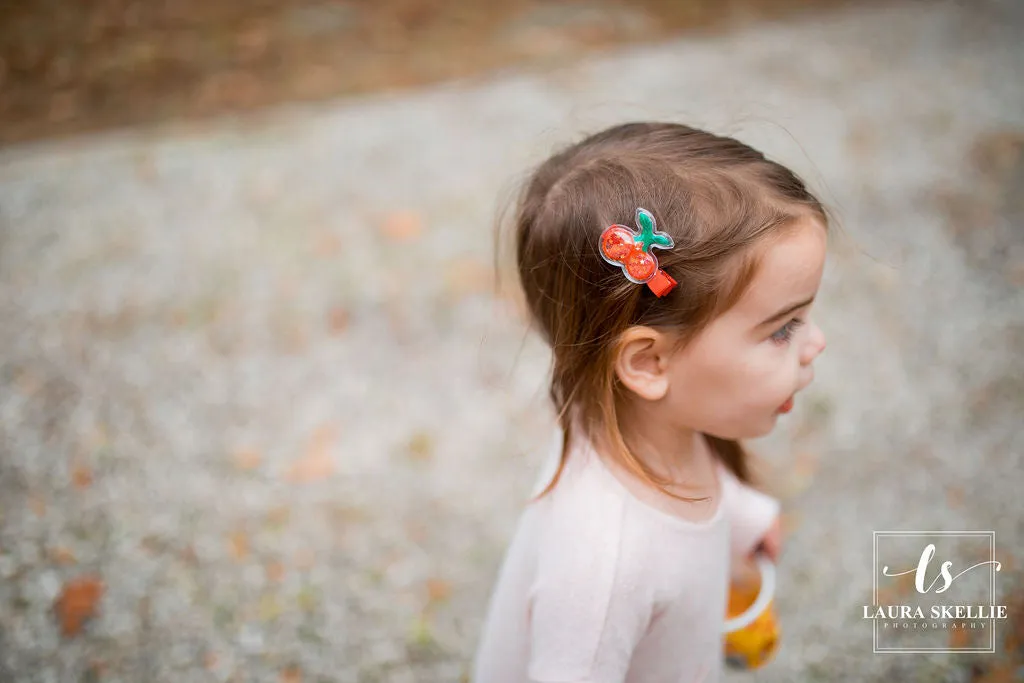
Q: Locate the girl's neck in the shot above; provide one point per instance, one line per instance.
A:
(679, 453)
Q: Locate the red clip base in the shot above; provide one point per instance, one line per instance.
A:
(662, 283)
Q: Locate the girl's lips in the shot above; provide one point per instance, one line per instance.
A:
(787, 406)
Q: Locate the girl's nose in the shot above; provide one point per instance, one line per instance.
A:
(814, 346)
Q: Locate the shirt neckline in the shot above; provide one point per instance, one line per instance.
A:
(666, 517)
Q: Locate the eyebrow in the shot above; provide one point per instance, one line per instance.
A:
(786, 311)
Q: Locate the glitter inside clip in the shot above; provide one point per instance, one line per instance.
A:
(631, 251)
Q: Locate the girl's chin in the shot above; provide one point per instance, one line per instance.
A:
(752, 429)
(751, 432)
(768, 428)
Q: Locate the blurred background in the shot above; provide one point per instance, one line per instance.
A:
(267, 414)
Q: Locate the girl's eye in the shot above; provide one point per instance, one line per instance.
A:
(785, 333)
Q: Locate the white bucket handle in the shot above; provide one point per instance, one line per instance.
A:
(764, 597)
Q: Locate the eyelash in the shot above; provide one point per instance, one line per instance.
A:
(785, 333)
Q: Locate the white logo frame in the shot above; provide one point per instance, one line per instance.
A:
(991, 535)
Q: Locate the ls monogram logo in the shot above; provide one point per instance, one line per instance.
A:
(922, 569)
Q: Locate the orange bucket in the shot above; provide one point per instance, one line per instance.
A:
(751, 626)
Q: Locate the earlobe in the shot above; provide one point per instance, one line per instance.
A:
(640, 363)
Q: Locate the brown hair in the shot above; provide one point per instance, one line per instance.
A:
(715, 196)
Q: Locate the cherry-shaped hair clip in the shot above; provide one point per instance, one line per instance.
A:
(623, 247)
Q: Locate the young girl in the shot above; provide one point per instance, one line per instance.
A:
(672, 272)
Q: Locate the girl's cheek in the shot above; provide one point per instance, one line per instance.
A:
(782, 381)
(773, 367)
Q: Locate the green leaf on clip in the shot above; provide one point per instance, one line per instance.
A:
(645, 220)
(648, 234)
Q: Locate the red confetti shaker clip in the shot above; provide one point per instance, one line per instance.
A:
(623, 247)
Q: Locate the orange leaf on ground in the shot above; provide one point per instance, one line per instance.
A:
(464, 276)
(291, 674)
(328, 244)
(188, 555)
(438, 589)
(421, 446)
(337, 319)
(77, 602)
(317, 462)
(81, 476)
(275, 572)
(955, 497)
(894, 588)
(239, 544)
(246, 459)
(277, 517)
(402, 226)
(959, 638)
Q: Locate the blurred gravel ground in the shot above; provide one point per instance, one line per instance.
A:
(263, 413)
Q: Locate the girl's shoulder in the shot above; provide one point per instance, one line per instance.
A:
(585, 525)
(581, 503)
(581, 530)
(582, 483)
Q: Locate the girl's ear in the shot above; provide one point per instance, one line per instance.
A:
(641, 363)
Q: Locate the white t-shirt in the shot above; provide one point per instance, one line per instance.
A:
(600, 587)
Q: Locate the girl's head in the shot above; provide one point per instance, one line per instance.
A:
(722, 351)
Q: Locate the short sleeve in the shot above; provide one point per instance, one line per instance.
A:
(751, 514)
(586, 611)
